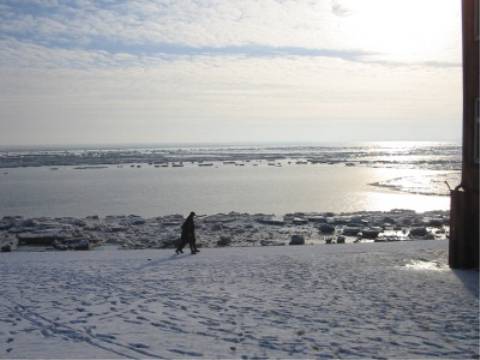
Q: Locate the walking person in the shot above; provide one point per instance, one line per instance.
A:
(188, 236)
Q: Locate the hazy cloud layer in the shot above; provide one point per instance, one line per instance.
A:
(338, 9)
(251, 28)
(132, 71)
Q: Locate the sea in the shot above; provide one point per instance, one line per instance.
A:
(157, 179)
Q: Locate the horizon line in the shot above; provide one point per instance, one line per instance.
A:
(214, 143)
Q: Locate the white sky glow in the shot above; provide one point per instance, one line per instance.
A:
(230, 71)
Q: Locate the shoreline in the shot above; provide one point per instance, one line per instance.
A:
(220, 230)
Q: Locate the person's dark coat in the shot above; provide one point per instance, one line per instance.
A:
(188, 235)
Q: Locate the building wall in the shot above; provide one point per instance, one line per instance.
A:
(464, 216)
(470, 93)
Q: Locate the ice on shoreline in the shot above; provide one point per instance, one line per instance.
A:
(218, 230)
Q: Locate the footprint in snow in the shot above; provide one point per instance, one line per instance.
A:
(105, 336)
(183, 352)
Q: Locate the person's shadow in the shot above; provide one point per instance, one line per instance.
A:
(160, 262)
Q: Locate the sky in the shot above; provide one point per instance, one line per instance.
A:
(194, 71)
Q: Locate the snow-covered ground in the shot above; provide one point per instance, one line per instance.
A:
(395, 300)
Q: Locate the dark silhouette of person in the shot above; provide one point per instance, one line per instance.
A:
(188, 236)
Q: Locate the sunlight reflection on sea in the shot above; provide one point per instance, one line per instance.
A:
(150, 191)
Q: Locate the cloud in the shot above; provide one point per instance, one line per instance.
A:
(214, 95)
(244, 27)
(26, 55)
(187, 22)
(158, 66)
(339, 10)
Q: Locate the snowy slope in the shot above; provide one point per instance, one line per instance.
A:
(341, 301)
